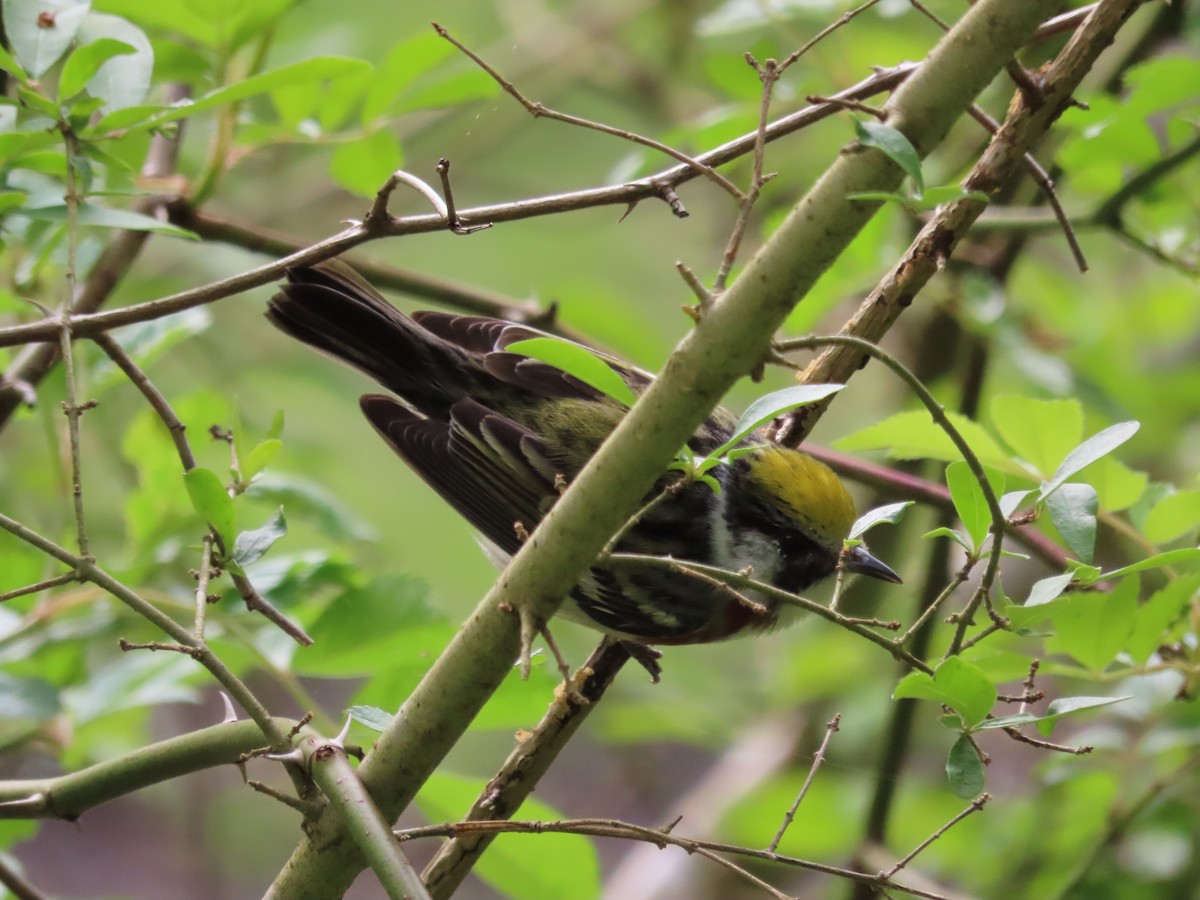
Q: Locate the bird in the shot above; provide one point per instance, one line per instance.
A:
(497, 434)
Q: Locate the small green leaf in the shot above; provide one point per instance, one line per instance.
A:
(969, 502)
(766, 408)
(1181, 557)
(276, 430)
(1158, 614)
(1042, 432)
(1173, 516)
(261, 457)
(105, 217)
(1068, 706)
(891, 513)
(362, 165)
(964, 769)
(35, 100)
(914, 435)
(1073, 511)
(251, 546)
(85, 62)
(1048, 588)
(578, 362)
(211, 501)
(10, 200)
(956, 683)
(960, 539)
(122, 81)
(895, 145)
(1013, 721)
(12, 67)
(1095, 447)
(372, 716)
(1093, 628)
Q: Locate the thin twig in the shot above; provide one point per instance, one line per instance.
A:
(71, 405)
(40, 586)
(977, 804)
(824, 33)
(525, 766)
(17, 885)
(202, 586)
(740, 580)
(1043, 180)
(818, 759)
(538, 110)
(1016, 735)
(88, 570)
(153, 395)
(452, 219)
(613, 828)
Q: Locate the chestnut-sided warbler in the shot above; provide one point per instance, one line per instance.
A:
(497, 434)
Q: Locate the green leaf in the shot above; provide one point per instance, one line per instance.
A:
(1117, 485)
(260, 457)
(969, 502)
(519, 865)
(960, 539)
(1068, 706)
(12, 67)
(1182, 557)
(276, 430)
(122, 81)
(895, 145)
(1173, 516)
(317, 69)
(578, 362)
(914, 435)
(85, 62)
(106, 217)
(211, 501)
(1064, 706)
(1093, 628)
(31, 97)
(956, 683)
(362, 165)
(251, 546)
(372, 716)
(964, 769)
(1042, 432)
(1095, 447)
(10, 200)
(1048, 588)
(407, 61)
(766, 408)
(891, 513)
(1073, 511)
(1160, 611)
(40, 31)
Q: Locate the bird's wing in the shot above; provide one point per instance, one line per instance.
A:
(495, 472)
(489, 339)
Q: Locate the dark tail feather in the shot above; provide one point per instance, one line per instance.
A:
(330, 307)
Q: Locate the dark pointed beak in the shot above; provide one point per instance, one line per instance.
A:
(859, 561)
